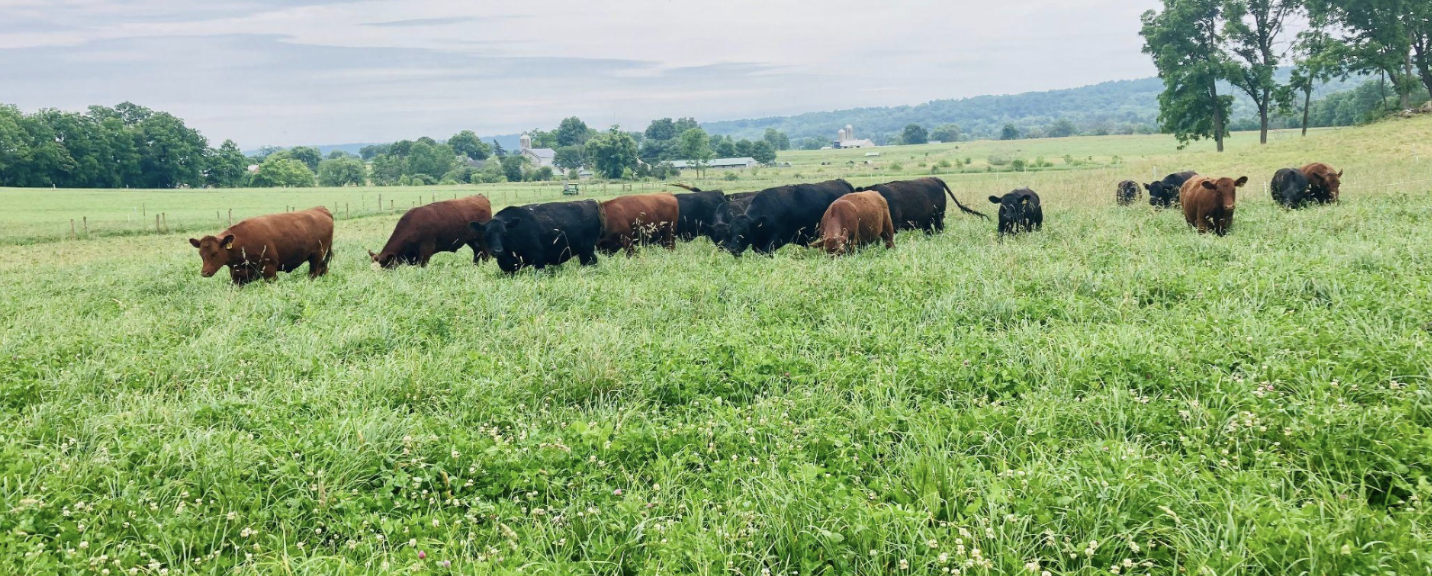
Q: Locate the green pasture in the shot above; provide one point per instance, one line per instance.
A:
(1113, 395)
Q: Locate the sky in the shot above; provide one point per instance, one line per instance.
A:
(292, 72)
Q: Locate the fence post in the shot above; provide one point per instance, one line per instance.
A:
(231, 217)
(143, 210)
(156, 223)
(86, 225)
(390, 205)
(345, 210)
(72, 228)
(164, 216)
(380, 202)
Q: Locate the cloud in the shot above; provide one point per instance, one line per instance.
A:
(316, 71)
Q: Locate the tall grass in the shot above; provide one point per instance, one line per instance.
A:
(1113, 392)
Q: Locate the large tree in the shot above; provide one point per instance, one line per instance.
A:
(696, 148)
(1252, 28)
(914, 134)
(570, 157)
(1320, 58)
(572, 132)
(946, 133)
(613, 153)
(342, 172)
(226, 167)
(1185, 41)
(661, 129)
(778, 139)
(1379, 35)
(468, 144)
(308, 155)
(763, 152)
(279, 171)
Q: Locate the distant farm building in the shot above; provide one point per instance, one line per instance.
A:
(537, 157)
(720, 164)
(845, 138)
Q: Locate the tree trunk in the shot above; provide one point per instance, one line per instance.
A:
(1423, 49)
(1404, 85)
(1217, 116)
(1307, 104)
(1263, 117)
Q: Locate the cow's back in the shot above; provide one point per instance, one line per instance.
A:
(567, 228)
(288, 239)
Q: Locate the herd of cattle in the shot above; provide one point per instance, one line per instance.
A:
(833, 216)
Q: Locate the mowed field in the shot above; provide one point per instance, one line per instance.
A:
(1114, 394)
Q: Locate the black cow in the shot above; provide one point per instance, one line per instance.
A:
(1019, 211)
(697, 213)
(542, 235)
(1129, 192)
(1290, 188)
(1164, 193)
(783, 215)
(727, 213)
(918, 204)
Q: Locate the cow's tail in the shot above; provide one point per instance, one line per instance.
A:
(963, 208)
(687, 187)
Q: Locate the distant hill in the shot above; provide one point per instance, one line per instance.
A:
(1124, 106)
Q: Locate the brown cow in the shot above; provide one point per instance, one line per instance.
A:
(1209, 203)
(1323, 183)
(638, 219)
(855, 220)
(438, 227)
(267, 245)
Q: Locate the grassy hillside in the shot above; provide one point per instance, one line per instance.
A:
(1115, 392)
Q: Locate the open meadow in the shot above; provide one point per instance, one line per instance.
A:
(1114, 394)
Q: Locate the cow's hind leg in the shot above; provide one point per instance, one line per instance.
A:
(588, 257)
(317, 265)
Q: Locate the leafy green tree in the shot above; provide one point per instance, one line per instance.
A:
(308, 155)
(570, 157)
(433, 160)
(661, 130)
(777, 139)
(373, 150)
(388, 169)
(492, 173)
(280, 172)
(227, 166)
(497, 149)
(572, 132)
(612, 153)
(542, 174)
(512, 166)
(172, 154)
(342, 172)
(725, 147)
(1252, 29)
(764, 152)
(914, 134)
(685, 124)
(1320, 58)
(1009, 132)
(696, 148)
(1186, 46)
(1061, 128)
(467, 143)
(1380, 35)
(946, 133)
(14, 145)
(811, 144)
(744, 148)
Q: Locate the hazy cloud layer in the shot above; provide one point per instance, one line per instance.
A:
(316, 72)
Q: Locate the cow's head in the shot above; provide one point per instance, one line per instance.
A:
(1226, 189)
(384, 260)
(214, 251)
(497, 235)
(743, 233)
(1329, 181)
(1015, 209)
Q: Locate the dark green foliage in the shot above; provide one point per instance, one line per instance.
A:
(281, 171)
(342, 172)
(914, 134)
(612, 153)
(513, 166)
(777, 139)
(573, 132)
(466, 143)
(1186, 44)
(227, 166)
(763, 152)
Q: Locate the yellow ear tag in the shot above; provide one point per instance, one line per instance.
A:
(229, 246)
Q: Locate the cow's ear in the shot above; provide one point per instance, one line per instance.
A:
(479, 226)
(1209, 185)
(994, 200)
(1340, 173)
(1149, 187)
(513, 223)
(1242, 180)
(1024, 200)
(228, 242)
(194, 242)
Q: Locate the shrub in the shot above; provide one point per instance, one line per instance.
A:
(731, 177)
(1000, 159)
(897, 166)
(1018, 165)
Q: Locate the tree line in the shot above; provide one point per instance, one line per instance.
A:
(1202, 46)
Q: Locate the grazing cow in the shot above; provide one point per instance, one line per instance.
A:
(854, 220)
(1323, 183)
(783, 215)
(919, 204)
(1129, 193)
(1208, 204)
(736, 205)
(542, 235)
(266, 245)
(1290, 188)
(698, 213)
(1019, 211)
(437, 227)
(638, 219)
(1164, 193)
